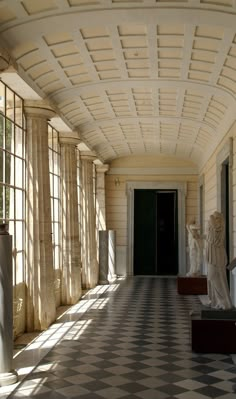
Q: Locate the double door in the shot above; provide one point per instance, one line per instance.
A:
(155, 232)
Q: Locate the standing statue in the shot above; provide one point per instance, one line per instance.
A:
(195, 249)
(216, 258)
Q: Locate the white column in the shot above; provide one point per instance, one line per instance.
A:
(89, 245)
(41, 309)
(71, 248)
(100, 196)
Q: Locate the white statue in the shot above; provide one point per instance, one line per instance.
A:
(195, 249)
(216, 258)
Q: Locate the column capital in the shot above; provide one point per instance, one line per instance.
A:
(39, 108)
(69, 138)
(88, 156)
(5, 60)
(102, 168)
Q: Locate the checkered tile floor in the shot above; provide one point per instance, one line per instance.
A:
(132, 343)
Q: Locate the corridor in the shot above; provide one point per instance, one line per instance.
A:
(128, 340)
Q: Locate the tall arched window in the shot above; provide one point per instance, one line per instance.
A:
(12, 175)
(54, 170)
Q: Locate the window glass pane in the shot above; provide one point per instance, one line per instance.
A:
(6, 202)
(50, 142)
(51, 184)
(19, 197)
(56, 186)
(56, 233)
(50, 160)
(19, 263)
(10, 104)
(2, 97)
(19, 163)
(1, 130)
(56, 163)
(19, 142)
(18, 111)
(55, 141)
(56, 210)
(10, 204)
(1, 203)
(49, 136)
(9, 136)
(9, 168)
(1, 165)
(19, 236)
(52, 209)
(57, 257)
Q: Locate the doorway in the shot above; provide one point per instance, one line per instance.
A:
(155, 232)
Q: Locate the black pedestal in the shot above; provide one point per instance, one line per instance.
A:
(192, 285)
(213, 335)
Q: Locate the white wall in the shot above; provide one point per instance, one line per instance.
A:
(212, 195)
(145, 169)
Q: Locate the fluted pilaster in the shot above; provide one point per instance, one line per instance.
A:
(41, 310)
(89, 247)
(71, 248)
(100, 196)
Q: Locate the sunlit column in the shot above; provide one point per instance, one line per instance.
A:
(41, 309)
(89, 244)
(7, 375)
(71, 249)
(100, 196)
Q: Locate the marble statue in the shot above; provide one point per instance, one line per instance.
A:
(216, 258)
(195, 249)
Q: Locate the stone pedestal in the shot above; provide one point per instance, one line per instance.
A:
(213, 335)
(106, 256)
(112, 255)
(103, 257)
(7, 375)
(192, 285)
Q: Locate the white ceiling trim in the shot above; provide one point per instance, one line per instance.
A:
(99, 87)
(71, 19)
(83, 128)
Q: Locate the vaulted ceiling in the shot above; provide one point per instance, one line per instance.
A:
(133, 77)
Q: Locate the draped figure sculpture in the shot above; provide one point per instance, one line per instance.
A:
(216, 258)
(195, 249)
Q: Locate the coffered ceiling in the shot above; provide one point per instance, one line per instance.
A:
(133, 77)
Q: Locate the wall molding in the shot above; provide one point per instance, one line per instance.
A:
(152, 171)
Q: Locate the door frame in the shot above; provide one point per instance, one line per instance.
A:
(226, 153)
(181, 194)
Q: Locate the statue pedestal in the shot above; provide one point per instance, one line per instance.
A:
(107, 256)
(192, 285)
(214, 335)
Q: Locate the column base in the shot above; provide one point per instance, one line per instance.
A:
(103, 282)
(8, 378)
(112, 278)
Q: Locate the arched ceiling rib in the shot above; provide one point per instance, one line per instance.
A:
(133, 77)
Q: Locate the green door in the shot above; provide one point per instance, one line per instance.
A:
(155, 232)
